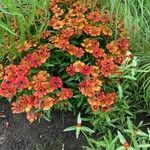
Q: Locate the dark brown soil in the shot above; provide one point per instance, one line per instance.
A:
(17, 134)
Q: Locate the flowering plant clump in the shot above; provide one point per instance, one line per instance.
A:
(73, 61)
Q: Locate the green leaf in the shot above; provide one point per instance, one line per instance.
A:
(128, 77)
(71, 84)
(4, 26)
(141, 133)
(77, 96)
(75, 42)
(79, 120)
(148, 130)
(144, 145)
(120, 90)
(78, 129)
(49, 65)
(72, 128)
(120, 148)
(131, 148)
(86, 129)
(130, 126)
(46, 118)
(121, 138)
(134, 62)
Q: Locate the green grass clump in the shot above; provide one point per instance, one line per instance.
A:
(28, 17)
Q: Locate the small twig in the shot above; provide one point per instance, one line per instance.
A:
(63, 146)
(2, 115)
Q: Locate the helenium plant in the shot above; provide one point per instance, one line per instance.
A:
(70, 66)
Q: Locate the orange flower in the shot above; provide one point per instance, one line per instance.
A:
(63, 44)
(42, 76)
(108, 67)
(94, 108)
(32, 116)
(23, 68)
(106, 31)
(98, 52)
(42, 89)
(47, 103)
(96, 83)
(25, 47)
(24, 103)
(113, 48)
(57, 11)
(56, 23)
(67, 33)
(110, 98)
(76, 51)
(89, 44)
(89, 86)
(45, 34)
(78, 65)
(17, 108)
(95, 71)
(93, 30)
(93, 104)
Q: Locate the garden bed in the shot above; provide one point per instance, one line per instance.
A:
(17, 134)
(59, 58)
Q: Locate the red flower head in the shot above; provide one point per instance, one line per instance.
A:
(67, 33)
(65, 93)
(45, 34)
(8, 92)
(94, 16)
(86, 70)
(97, 52)
(21, 82)
(123, 43)
(89, 86)
(32, 60)
(55, 82)
(23, 68)
(110, 98)
(63, 44)
(70, 70)
(108, 67)
(10, 70)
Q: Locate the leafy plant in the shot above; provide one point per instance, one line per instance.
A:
(76, 64)
(131, 138)
(79, 127)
